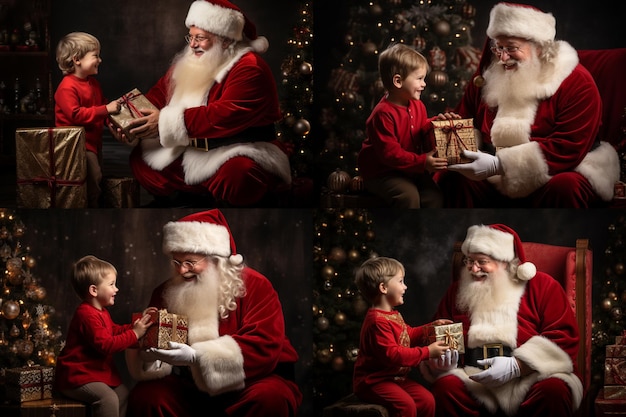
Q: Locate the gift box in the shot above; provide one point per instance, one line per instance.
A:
(51, 167)
(29, 383)
(58, 407)
(166, 327)
(131, 103)
(120, 192)
(451, 334)
(452, 137)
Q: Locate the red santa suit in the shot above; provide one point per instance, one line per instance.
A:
(388, 350)
(546, 144)
(234, 118)
(534, 320)
(244, 362)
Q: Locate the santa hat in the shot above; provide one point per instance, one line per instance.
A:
(223, 18)
(206, 233)
(501, 243)
(521, 21)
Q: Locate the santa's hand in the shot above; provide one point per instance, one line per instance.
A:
(502, 370)
(179, 354)
(483, 166)
(444, 363)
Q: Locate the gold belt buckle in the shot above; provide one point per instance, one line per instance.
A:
(200, 144)
(488, 346)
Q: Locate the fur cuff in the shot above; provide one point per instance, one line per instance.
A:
(219, 366)
(141, 370)
(544, 356)
(172, 129)
(525, 170)
(601, 168)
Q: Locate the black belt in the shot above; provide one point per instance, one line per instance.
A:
(253, 134)
(488, 350)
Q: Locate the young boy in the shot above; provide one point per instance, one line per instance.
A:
(79, 101)
(396, 159)
(85, 369)
(388, 348)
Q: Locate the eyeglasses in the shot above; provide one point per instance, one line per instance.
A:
(469, 262)
(186, 264)
(499, 50)
(197, 38)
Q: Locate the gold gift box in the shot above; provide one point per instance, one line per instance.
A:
(452, 137)
(451, 334)
(132, 102)
(51, 167)
(29, 383)
(122, 192)
(166, 327)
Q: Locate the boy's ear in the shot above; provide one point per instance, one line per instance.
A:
(382, 287)
(397, 81)
(93, 290)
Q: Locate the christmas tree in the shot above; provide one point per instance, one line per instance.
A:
(609, 298)
(296, 93)
(439, 29)
(26, 335)
(343, 240)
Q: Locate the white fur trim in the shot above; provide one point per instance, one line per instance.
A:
(260, 44)
(158, 157)
(199, 165)
(510, 131)
(219, 366)
(525, 170)
(526, 271)
(236, 259)
(489, 241)
(601, 168)
(215, 19)
(141, 370)
(196, 237)
(521, 21)
(172, 129)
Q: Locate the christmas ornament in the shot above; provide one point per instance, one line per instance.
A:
(338, 181)
(437, 58)
(322, 323)
(479, 81)
(10, 309)
(324, 356)
(438, 79)
(302, 127)
(306, 68)
(369, 48)
(337, 255)
(356, 184)
(328, 272)
(442, 28)
(354, 255)
(338, 364)
(340, 319)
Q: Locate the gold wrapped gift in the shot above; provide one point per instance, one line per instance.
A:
(132, 102)
(615, 392)
(451, 334)
(122, 192)
(166, 327)
(29, 383)
(452, 137)
(51, 167)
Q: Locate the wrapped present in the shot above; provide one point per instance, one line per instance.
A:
(615, 371)
(131, 103)
(51, 167)
(166, 327)
(452, 137)
(615, 392)
(451, 334)
(120, 192)
(29, 383)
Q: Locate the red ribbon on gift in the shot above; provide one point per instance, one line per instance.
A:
(52, 181)
(452, 133)
(126, 100)
(614, 369)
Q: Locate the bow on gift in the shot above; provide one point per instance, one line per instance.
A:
(450, 340)
(125, 100)
(452, 134)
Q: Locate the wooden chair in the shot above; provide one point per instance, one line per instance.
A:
(573, 268)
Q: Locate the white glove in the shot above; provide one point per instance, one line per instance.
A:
(446, 362)
(502, 370)
(179, 354)
(483, 165)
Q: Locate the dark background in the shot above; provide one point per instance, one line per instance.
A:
(139, 38)
(274, 242)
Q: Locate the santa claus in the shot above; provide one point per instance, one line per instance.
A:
(540, 111)
(520, 332)
(238, 360)
(214, 135)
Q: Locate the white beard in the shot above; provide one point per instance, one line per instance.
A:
(492, 305)
(512, 87)
(193, 76)
(198, 300)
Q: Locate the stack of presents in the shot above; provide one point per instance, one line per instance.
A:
(52, 167)
(612, 398)
(28, 391)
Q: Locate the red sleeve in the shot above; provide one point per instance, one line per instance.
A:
(102, 334)
(79, 102)
(158, 94)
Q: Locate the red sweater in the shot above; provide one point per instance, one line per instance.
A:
(87, 356)
(388, 348)
(396, 140)
(80, 102)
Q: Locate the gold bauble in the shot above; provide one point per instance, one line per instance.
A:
(302, 127)
(337, 255)
(324, 355)
(354, 255)
(322, 323)
(619, 269)
(339, 181)
(607, 304)
(328, 272)
(478, 81)
(306, 68)
(356, 185)
(340, 318)
(10, 309)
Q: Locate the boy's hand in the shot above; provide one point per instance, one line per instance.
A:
(114, 107)
(435, 164)
(438, 349)
(441, 322)
(448, 115)
(140, 326)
